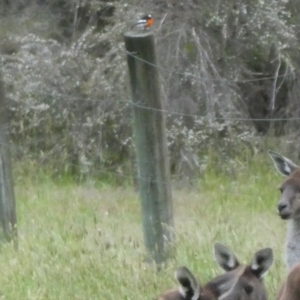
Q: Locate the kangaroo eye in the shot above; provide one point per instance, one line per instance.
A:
(281, 190)
(248, 289)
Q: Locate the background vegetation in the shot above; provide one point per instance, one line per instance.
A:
(222, 65)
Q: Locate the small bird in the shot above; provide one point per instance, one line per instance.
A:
(144, 23)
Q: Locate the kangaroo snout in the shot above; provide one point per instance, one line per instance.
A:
(283, 211)
(281, 207)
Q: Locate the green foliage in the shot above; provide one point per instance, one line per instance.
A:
(69, 100)
(84, 242)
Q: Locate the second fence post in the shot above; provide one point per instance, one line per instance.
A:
(8, 216)
(151, 145)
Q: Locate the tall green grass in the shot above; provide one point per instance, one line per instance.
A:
(84, 241)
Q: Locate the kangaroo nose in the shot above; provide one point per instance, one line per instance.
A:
(281, 206)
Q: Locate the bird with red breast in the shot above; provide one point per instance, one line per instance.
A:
(144, 23)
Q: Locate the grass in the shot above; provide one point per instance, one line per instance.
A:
(85, 241)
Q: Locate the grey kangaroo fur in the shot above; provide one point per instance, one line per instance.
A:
(288, 206)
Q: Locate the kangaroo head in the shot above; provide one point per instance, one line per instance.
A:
(239, 282)
(289, 201)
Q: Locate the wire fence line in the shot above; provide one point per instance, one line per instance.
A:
(215, 118)
(169, 112)
(67, 97)
(132, 54)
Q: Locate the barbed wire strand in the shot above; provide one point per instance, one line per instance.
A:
(216, 80)
(214, 118)
(170, 112)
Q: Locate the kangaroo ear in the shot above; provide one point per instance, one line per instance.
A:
(189, 287)
(225, 257)
(261, 262)
(283, 165)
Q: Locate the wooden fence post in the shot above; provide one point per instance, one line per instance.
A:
(8, 217)
(151, 146)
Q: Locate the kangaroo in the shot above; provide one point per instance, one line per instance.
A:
(290, 289)
(288, 206)
(239, 282)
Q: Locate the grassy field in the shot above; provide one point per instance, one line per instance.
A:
(85, 241)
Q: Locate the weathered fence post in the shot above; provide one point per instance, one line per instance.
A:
(8, 217)
(151, 146)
